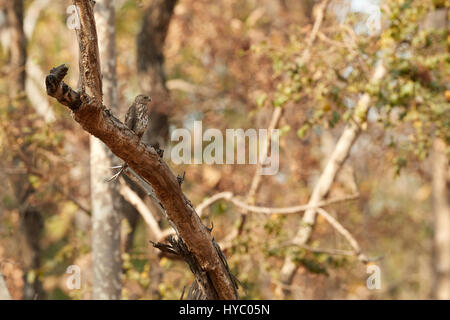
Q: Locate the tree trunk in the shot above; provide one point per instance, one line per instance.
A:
(105, 198)
(441, 209)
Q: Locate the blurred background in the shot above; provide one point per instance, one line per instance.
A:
(303, 67)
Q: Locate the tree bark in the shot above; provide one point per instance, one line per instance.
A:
(95, 118)
(105, 198)
(441, 209)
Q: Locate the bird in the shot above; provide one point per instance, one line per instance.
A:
(136, 119)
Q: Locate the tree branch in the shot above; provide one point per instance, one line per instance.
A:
(345, 233)
(96, 119)
(268, 210)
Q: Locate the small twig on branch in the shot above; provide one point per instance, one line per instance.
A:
(227, 195)
(269, 210)
(356, 249)
(344, 232)
(291, 210)
(330, 251)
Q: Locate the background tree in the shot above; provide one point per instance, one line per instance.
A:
(105, 197)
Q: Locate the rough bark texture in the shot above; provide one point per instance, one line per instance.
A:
(323, 186)
(105, 197)
(150, 66)
(89, 112)
(441, 208)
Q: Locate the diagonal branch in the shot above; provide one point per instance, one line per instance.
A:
(269, 210)
(345, 233)
(96, 119)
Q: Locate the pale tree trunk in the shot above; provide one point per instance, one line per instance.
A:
(106, 216)
(4, 292)
(441, 208)
(323, 186)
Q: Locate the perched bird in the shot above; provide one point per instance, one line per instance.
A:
(136, 119)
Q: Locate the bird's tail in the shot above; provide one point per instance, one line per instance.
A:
(117, 175)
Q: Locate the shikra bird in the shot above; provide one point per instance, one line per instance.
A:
(136, 118)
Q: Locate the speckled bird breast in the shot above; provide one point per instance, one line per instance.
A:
(141, 119)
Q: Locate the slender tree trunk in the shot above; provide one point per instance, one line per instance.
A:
(105, 198)
(150, 67)
(441, 208)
